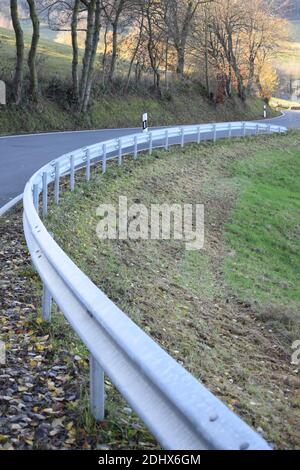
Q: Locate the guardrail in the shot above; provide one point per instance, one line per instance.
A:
(179, 411)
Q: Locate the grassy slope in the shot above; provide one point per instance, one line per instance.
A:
(107, 111)
(234, 337)
(120, 111)
(57, 57)
(265, 266)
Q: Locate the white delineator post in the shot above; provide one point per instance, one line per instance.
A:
(145, 122)
(265, 111)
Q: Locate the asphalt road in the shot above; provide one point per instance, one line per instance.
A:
(21, 156)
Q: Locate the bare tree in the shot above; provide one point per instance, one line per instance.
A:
(114, 9)
(94, 10)
(75, 60)
(179, 17)
(34, 84)
(19, 69)
(156, 40)
(74, 16)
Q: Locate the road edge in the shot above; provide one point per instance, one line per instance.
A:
(10, 205)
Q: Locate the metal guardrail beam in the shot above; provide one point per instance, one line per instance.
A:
(179, 411)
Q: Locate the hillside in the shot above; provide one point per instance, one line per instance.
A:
(53, 58)
(184, 105)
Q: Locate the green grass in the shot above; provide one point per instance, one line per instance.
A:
(264, 230)
(236, 340)
(112, 111)
(45, 32)
(285, 104)
(57, 58)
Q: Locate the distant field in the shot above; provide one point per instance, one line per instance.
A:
(285, 104)
(45, 32)
(55, 58)
(287, 61)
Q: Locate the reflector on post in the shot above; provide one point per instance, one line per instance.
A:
(145, 122)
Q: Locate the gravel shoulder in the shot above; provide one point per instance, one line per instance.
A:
(44, 383)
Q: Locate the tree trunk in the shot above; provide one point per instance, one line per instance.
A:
(74, 25)
(207, 81)
(134, 54)
(180, 61)
(19, 70)
(94, 45)
(251, 75)
(233, 63)
(87, 52)
(104, 55)
(34, 82)
(114, 51)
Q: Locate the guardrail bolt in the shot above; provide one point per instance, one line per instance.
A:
(97, 394)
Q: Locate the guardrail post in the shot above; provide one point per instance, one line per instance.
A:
(56, 183)
(257, 129)
(88, 165)
(36, 197)
(182, 137)
(244, 129)
(104, 158)
(229, 130)
(120, 153)
(269, 129)
(199, 135)
(167, 140)
(215, 133)
(135, 154)
(97, 395)
(150, 143)
(46, 304)
(45, 193)
(72, 173)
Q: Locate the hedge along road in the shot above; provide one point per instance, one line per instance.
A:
(21, 156)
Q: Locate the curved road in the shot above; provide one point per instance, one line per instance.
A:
(21, 156)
